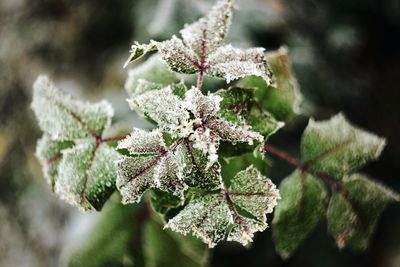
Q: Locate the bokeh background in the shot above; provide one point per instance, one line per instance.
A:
(346, 55)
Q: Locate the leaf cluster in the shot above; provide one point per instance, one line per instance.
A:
(202, 166)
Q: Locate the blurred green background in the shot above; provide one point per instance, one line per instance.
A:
(346, 55)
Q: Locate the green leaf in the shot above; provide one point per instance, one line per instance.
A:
(121, 222)
(138, 239)
(165, 203)
(208, 33)
(76, 161)
(239, 106)
(283, 101)
(162, 106)
(152, 74)
(65, 118)
(236, 213)
(232, 165)
(166, 248)
(353, 216)
(302, 207)
(337, 147)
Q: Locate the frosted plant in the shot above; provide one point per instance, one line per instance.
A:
(195, 117)
(202, 167)
(202, 50)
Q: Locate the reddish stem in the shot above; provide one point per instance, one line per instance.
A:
(331, 181)
(114, 138)
(202, 66)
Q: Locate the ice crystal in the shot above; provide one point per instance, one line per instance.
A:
(202, 49)
(212, 217)
(65, 118)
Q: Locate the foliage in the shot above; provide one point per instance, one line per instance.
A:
(203, 164)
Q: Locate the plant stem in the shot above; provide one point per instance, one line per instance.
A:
(114, 138)
(202, 66)
(200, 79)
(303, 167)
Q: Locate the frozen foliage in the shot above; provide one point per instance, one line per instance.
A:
(211, 29)
(202, 49)
(87, 175)
(76, 162)
(201, 180)
(153, 166)
(232, 63)
(65, 118)
(337, 147)
(331, 151)
(212, 217)
(192, 159)
(195, 118)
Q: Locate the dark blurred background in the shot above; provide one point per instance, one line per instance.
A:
(346, 55)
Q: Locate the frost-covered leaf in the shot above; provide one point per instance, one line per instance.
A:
(77, 162)
(208, 33)
(143, 142)
(138, 50)
(149, 75)
(284, 100)
(196, 170)
(232, 63)
(202, 106)
(86, 175)
(302, 207)
(48, 152)
(152, 165)
(239, 106)
(202, 50)
(228, 131)
(162, 106)
(195, 117)
(177, 56)
(352, 218)
(236, 214)
(65, 118)
(173, 52)
(337, 147)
